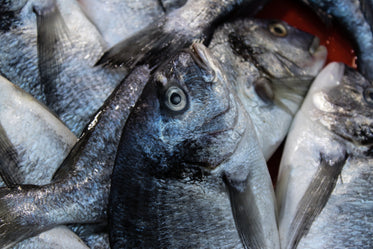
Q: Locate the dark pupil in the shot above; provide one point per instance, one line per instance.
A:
(175, 98)
(278, 30)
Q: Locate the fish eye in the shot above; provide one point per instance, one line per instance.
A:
(264, 90)
(175, 99)
(368, 95)
(278, 29)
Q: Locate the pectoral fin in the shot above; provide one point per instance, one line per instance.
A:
(8, 160)
(245, 212)
(315, 197)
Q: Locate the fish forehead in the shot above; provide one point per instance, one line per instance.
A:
(254, 38)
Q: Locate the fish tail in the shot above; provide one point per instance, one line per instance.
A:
(17, 222)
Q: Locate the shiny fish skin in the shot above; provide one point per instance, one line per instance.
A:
(29, 126)
(157, 42)
(189, 163)
(324, 187)
(72, 88)
(251, 52)
(83, 180)
(126, 17)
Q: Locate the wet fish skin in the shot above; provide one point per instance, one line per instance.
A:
(195, 20)
(126, 17)
(50, 53)
(84, 176)
(355, 17)
(324, 186)
(271, 65)
(27, 126)
(189, 163)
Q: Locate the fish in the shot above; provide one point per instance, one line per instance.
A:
(271, 65)
(79, 189)
(126, 17)
(81, 161)
(26, 126)
(195, 20)
(355, 18)
(189, 163)
(50, 51)
(324, 187)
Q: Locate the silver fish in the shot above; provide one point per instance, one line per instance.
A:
(26, 127)
(30, 126)
(157, 42)
(79, 189)
(49, 51)
(189, 163)
(271, 65)
(324, 187)
(117, 20)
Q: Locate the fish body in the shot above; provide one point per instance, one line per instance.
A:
(28, 126)
(355, 17)
(271, 65)
(100, 147)
(126, 17)
(82, 181)
(189, 166)
(50, 51)
(176, 30)
(324, 186)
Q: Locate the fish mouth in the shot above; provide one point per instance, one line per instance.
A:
(318, 54)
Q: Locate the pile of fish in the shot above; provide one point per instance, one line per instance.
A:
(148, 124)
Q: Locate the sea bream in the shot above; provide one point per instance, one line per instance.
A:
(49, 49)
(324, 189)
(195, 20)
(271, 65)
(189, 164)
(78, 192)
(96, 152)
(117, 20)
(26, 126)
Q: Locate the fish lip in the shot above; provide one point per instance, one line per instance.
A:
(315, 44)
(318, 57)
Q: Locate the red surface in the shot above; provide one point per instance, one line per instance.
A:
(300, 16)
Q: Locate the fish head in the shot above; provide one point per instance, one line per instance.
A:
(278, 48)
(186, 114)
(271, 65)
(343, 102)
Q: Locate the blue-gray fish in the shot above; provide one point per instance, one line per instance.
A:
(26, 127)
(324, 189)
(271, 65)
(117, 20)
(356, 18)
(78, 192)
(157, 42)
(189, 171)
(94, 159)
(50, 50)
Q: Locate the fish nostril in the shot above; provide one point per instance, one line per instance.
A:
(314, 45)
